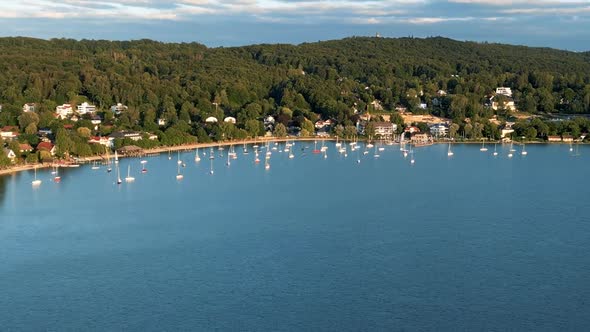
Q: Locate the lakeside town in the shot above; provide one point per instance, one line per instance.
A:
(100, 134)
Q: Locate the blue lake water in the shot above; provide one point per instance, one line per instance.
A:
(473, 242)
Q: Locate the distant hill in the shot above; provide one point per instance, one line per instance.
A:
(328, 78)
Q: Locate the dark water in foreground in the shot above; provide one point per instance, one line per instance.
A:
(471, 243)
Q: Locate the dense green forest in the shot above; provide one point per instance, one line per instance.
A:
(297, 84)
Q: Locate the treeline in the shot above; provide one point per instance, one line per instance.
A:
(188, 82)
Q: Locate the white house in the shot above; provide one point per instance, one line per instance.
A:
(230, 119)
(504, 91)
(439, 130)
(10, 154)
(106, 141)
(117, 109)
(509, 104)
(28, 107)
(96, 120)
(133, 135)
(161, 122)
(423, 106)
(9, 133)
(63, 111)
(441, 93)
(211, 119)
(85, 108)
(385, 129)
(507, 130)
(322, 124)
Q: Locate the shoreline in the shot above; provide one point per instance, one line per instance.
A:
(159, 150)
(263, 140)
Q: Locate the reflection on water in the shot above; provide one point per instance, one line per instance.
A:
(469, 242)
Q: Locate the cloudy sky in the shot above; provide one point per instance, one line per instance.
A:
(561, 24)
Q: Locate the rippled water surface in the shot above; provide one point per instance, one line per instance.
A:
(472, 242)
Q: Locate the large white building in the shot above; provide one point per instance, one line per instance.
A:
(504, 91)
(439, 130)
(117, 109)
(64, 111)
(85, 108)
(385, 129)
(28, 107)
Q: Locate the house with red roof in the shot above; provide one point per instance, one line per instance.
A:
(9, 133)
(46, 146)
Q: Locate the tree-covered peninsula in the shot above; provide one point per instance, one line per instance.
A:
(168, 91)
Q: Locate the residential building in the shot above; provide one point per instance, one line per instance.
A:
(439, 130)
(46, 146)
(568, 138)
(385, 129)
(119, 108)
(25, 147)
(86, 108)
(106, 141)
(211, 119)
(29, 107)
(162, 122)
(412, 129)
(421, 139)
(554, 138)
(508, 104)
(64, 111)
(441, 93)
(323, 124)
(506, 130)
(44, 132)
(504, 91)
(9, 133)
(230, 119)
(10, 154)
(95, 120)
(423, 106)
(133, 135)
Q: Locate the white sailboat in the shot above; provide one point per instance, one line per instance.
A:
(495, 149)
(291, 155)
(211, 168)
(143, 169)
(36, 182)
(179, 161)
(56, 178)
(228, 163)
(266, 164)
(211, 154)
(119, 181)
(116, 157)
(95, 166)
(245, 149)
(412, 161)
(179, 175)
(571, 147)
(197, 157)
(129, 178)
(338, 144)
(524, 151)
(483, 146)
(449, 152)
(512, 146)
(376, 155)
(109, 169)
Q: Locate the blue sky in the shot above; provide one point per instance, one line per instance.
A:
(561, 24)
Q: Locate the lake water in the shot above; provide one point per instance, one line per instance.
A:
(473, 242)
